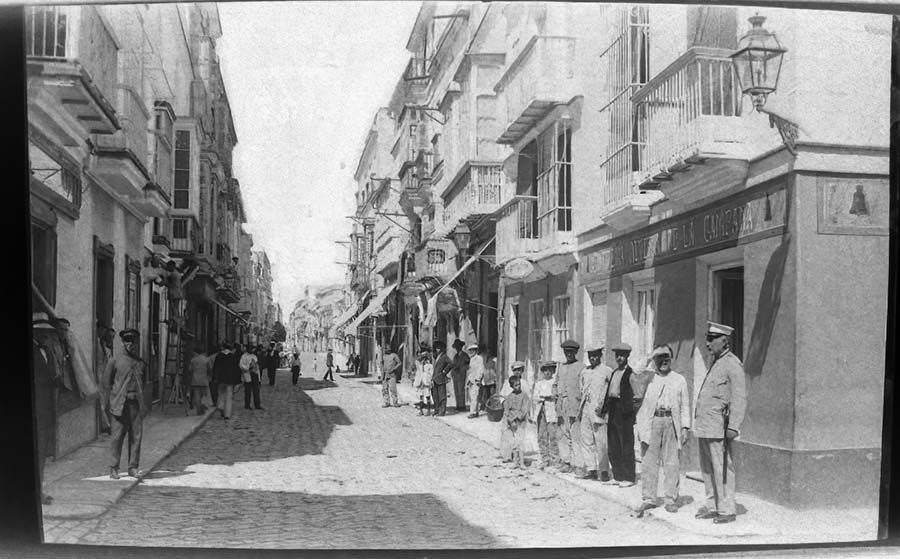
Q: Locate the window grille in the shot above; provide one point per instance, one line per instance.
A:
(46, 28)
(182, 169)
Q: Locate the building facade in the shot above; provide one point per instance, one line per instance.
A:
(130, 139)
(594, 172)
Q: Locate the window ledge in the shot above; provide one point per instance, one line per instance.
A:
(56, 200)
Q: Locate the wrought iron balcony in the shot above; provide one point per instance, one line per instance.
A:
(478, 190)
(60, 74)
(686, 114)
(517, 229)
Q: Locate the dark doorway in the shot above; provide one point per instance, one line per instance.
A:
(730, 304)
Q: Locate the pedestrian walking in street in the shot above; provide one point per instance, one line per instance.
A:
(351, 362)
(422, 381)
(249, 364)
(227, 372)
(488, 382)
(392, 369)
(516, 408)
(213, 382)
(295, 368)
(594, 388)
(474, 376)
(123, 381)
(720, 404)
(329, 364)
(356, 362)
(104, 351)
(200, 368)
(442, 367)
(506, 438)
(271, 362)
(458, 373)
(663, 421)
(568, 405)
(46, 382)
(620, 424)
(543, 414)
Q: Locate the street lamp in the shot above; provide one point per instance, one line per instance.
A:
(757, 62)
(462, 235)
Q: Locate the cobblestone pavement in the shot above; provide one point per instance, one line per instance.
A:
(325, 466)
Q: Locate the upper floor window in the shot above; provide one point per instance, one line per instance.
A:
(554, 180)
(45, 31)
(182, 169)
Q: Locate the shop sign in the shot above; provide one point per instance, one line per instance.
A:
(518, 268)
(703, 231)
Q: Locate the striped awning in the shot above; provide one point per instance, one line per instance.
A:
(375, 305)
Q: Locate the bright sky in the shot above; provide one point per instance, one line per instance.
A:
(304, 80)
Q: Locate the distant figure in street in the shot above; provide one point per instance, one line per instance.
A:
(719, 411)
(488, 381)
(351, 362)
(104, 351)
(392, 370)
(662, 426)
(442, 366)
(271, 362)
(357, 359)
(295, 368)
(213, 381)
(422, 381)
(543, 414)
(329, 364)
(458, 373)
(620, 426)
(200, 368)
(123, 381)
(227, 372)
(474, 376)
(515, 412)
(249, 365)
(517, 369)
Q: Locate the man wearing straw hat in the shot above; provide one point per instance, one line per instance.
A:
(719, 411)
(123, 380)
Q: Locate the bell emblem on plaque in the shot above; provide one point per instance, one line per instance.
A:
(859, 206)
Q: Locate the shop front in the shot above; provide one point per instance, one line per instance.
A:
(757, 261)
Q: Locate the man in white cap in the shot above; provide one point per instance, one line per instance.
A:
(474, 375)
(594, 386)
(719, 411)
(567, 390)
(662, 426)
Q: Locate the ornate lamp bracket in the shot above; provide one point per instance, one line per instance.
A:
(788, 130)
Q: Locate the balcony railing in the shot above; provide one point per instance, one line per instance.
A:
(517, 229)
(481, 192)
(134, 119)
(689, 108)
(542, 76)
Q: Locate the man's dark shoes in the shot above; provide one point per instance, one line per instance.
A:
(472, 415)
(705, 514)
(724, 519)
(671, 508)
(113, 473)
(133, 472)
(260, 408)
(646, 505)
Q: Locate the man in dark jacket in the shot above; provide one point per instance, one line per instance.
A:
(620, 429)
(458, 373)
(271, 362)
(442, 366)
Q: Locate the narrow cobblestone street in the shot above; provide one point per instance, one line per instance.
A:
(325, 466)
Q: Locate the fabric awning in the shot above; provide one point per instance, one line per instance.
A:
(231, 312)
(345, 317)
(431, 317)
(373, 306)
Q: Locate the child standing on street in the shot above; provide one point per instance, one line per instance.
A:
(515, 412)
(422, 382)
(543, 413)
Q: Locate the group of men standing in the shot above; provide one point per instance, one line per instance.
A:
(596, 409)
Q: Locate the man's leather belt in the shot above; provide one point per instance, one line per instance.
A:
(662, 413)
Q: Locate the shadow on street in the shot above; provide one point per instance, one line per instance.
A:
(232, 518)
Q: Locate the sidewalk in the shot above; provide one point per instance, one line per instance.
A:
(757, 519)
(79, 482)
